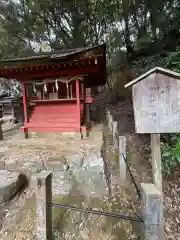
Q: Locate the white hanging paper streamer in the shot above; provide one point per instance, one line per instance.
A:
(34, 88)
(57, 87)
(70, 79)
(45, 88)
(67, 87)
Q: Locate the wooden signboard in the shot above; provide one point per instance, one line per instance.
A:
(156, 101)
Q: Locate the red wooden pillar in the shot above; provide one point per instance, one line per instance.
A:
(24, 93)
(78, 105)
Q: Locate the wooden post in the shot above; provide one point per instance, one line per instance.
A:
(25, 103)
(115, 135)
(78, 105)
(108, 118)
(43, 207)
(13, 112)
(2, 165)
(1, 131)
(152, 212)
(87, 93)
(157, 171)
(71, 91)
(111, 123)
(82, 90)
(87, 113)
(156, 161)
(122, 163)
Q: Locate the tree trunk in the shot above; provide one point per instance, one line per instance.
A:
(127, 39)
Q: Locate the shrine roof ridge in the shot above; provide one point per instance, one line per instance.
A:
(56, 54)
(151, 71)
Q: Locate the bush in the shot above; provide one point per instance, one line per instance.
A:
(170, 154)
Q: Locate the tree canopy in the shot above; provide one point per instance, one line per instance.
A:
(141, 28)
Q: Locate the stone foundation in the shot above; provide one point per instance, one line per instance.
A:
(69, 135)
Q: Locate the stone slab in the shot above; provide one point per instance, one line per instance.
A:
(10, 184)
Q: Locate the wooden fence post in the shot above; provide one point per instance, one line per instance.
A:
(2, 165)
(107, 116)
(115, 135)
(152, 212)
(110, 123)
(122, 163)
(43, 209)
(1, 131)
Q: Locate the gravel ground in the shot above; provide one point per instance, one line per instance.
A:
(17, 150)
(17, 216)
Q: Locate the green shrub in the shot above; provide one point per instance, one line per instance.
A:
(170, 154)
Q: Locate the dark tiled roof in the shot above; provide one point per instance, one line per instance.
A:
(52, 55)
(56, 62)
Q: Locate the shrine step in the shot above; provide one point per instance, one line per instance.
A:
(51, 124)
(54, 115)
(50, 129)
(53, 110)
(52, 120)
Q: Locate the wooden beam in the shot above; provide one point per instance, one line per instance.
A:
(25, 67)
(30, 76)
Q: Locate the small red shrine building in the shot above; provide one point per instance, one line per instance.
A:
(58, 85)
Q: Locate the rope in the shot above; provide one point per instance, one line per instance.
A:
(132, 177)
(120, 216)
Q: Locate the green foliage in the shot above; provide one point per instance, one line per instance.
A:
(169, 60)
(133, 25)
(58, 23)
(171, 154)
